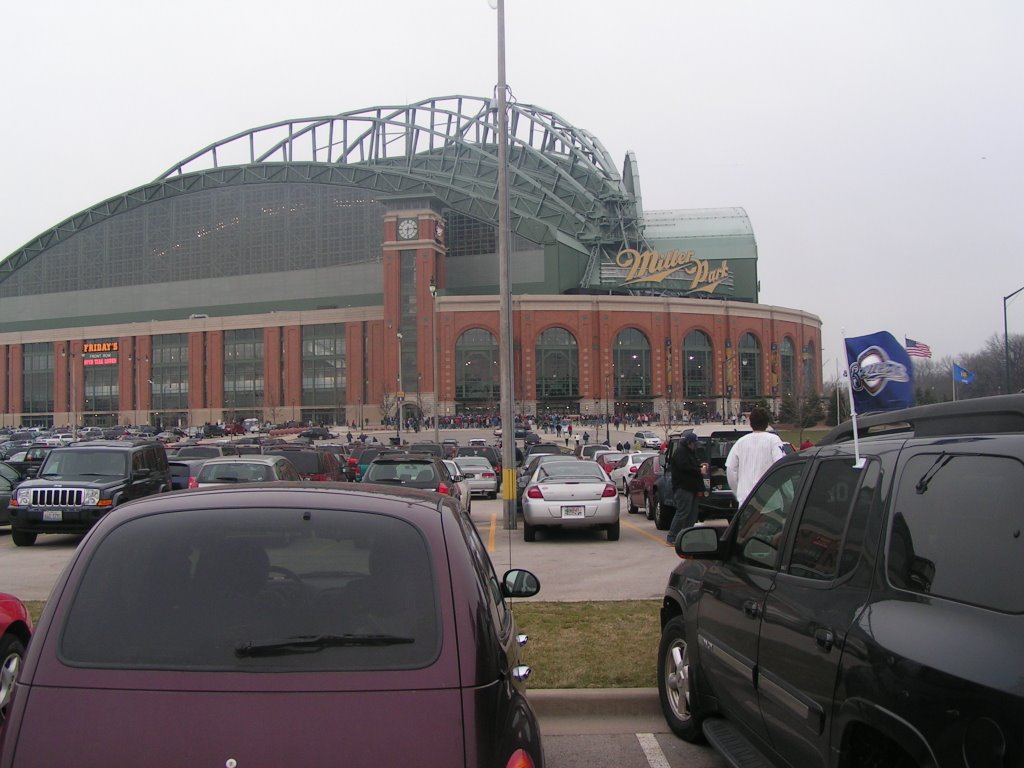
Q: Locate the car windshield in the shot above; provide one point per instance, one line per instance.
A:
(82, 462)
(256, 590)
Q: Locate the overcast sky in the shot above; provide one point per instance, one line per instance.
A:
(877, 146)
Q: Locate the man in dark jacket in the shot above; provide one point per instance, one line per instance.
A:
(687, 482)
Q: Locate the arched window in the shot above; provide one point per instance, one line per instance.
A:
(787, 367)
(631, 356)
(476, 366)
(810, 366)
(557, 365)
(697, 364)
(750, 366)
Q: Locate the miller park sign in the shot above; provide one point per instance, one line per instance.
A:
(672, 271)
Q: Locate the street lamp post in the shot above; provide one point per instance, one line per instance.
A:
(607, 415)
(508, 445)
(433, 350)
(399, 394)
(725, 386)
(1006, 338)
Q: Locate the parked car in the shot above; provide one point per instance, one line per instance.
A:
(589, 450)
(463, 491)
(315, 464)
(646, 439)
(626, 467)
(246, 469)
(827, 625)
(642, 487)
(570, 494)
(608, 459)
(434, 449)
(279, 604)
(526, 472)
(30, 459)
(9, 478)
(79, 484)
(413, 470)
(480, 474)
(318, 433)
(15, 631)
(489, 452)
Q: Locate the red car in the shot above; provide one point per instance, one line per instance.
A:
(15, 630)
(641, 486)
(279, 624)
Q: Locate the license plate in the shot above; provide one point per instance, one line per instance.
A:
(52, 515)
(572, 511)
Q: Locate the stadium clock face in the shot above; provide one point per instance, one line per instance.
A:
(408, 229)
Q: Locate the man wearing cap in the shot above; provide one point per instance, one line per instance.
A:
(687, 482)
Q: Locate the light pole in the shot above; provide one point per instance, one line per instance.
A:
(725, 386)
(399, 394)
(607, 416)
(508, 434)
(1006, 338)
(433, 351)
(70, 356)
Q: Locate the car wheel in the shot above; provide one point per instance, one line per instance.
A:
(648, 507)
(676, 675)
(23, 538)
(613, 531)
(529, 532)
(662, 518)
(631, 508)
(11, 654)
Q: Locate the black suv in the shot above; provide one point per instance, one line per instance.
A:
(413, 470)
(78, 484)
(718, 500)
(864, 606)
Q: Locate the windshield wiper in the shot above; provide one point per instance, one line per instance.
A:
(314, 643)
(926, 478)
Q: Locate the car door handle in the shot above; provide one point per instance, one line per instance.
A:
(752, 609)
(824, 639)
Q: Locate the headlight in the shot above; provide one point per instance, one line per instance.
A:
(24, 497)
(91, 497)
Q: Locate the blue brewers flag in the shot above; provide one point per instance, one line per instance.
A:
(962, 375)
(881, 375)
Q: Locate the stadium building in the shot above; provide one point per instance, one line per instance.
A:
(328, 269)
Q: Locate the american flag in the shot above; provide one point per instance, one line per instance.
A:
(917, 349)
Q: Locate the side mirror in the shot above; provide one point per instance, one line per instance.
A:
(700, 542)
(519, 583)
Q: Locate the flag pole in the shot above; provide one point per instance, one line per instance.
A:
(858, 462)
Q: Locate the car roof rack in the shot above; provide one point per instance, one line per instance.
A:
(982, 415)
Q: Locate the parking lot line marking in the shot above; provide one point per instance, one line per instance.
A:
(643, 532)
(652, 750)
(493, 531)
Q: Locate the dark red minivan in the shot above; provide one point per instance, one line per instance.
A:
(287, 624)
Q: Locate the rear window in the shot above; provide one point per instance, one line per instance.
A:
(956, 530)
(401, 472)
(305, 462)
(235, 472)
(198, 452)
(228, 590)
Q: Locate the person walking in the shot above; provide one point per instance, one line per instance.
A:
(687, 483)
(752, 455)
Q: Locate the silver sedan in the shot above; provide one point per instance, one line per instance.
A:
(480, 474)
(570, 494)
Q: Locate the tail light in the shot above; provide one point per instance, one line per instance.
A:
(487, 474)
(320, 478)
(192, 482)
(533, 492)
(610, 490)
(353, 462)
(443, 488)
(632, 470)
(520, 759)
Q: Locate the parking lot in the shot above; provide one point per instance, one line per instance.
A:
(572, 566)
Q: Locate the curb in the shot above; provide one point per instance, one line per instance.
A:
(594, 702)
